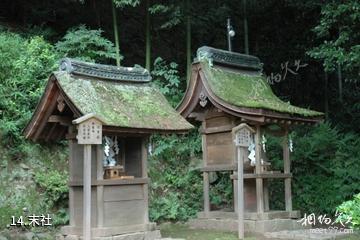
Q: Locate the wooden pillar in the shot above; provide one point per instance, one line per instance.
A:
(235, 173)
(71, 178)
(99, 188)
(240, 198)
(236, 194)
(287, 166)
(259, 181)
(206, 182)
(87, 193)
(242, 135)
(144, 158)
(266, 195)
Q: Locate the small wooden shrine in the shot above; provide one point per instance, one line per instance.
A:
(107, 114)
(227, 89)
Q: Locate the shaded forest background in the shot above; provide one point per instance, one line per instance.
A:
(322, 36)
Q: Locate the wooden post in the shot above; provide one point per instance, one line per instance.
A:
(87, 193)
(206, 186)
(99, 188)
(287, 166)
(236, 193)
(259, 181)
(71, 169)
(144, 157)
(89, 132)
(266, 195)
(242, 136)
(240, 198)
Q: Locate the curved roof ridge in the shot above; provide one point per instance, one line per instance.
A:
(77, 67)
(233, 59)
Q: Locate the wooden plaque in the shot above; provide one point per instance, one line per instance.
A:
(243, 135)
(89, 129)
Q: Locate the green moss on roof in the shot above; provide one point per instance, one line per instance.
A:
(122, 104)
(244, 90)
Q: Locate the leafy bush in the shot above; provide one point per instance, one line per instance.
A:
(350, 210)
(325, 165)
(221, 190)
(176, 185)
(54, 185)
(25, 65)
(166, 78)
(86, 44)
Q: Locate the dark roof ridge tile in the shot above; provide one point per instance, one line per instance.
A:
(102, 71)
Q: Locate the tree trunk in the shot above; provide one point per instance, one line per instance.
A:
(148, 38)
(98, 22)
(340, 84)
(326, 98)
(116, 34)
(246, 34)
(188, 42)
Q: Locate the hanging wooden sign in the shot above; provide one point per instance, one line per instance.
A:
(89, 129)
(243, 135)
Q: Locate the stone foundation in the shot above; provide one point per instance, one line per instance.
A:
(250, 226)
(148, 235)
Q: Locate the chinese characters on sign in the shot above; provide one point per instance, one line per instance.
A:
(90, 132)
(313, 220)
(243, 137)
(285, 69)
(32, 220)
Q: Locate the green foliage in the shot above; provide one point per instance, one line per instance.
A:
(221, 190)
(86, 44)
(166, 78)
(124, 3)
(17, 187)
(169, 14)
(350, 211)
(25, 65)
(173, 164)
(338, 26)
(176, 185)
(54, 185)
(325, 164)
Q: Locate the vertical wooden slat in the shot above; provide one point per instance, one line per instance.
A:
(206, 183)
(71, 178)
(259, 181)
(236, 194)
(266, 195)
(287, 166)
(235, 182)
(144, 159)
(100, 188)
(240, 162)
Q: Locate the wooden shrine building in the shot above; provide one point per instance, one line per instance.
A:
(227, 89)
(119, 108)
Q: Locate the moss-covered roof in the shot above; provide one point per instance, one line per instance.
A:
(121, 103)
(247, 89)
